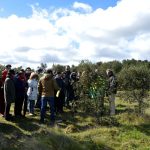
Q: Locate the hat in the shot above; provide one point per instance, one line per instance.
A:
(11, 71)
(8, 65)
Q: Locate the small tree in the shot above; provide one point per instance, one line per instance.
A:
(135, 81)
(93, 87)
(97, 90)
(58, 68)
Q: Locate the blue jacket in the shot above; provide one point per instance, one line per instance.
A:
(20, 87)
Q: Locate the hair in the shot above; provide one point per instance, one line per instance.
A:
(49, 71)
(109, 72)
(20, 72)
(8, 66)
(11, 72)
(28, 68)
(67, 68)
(34, 75)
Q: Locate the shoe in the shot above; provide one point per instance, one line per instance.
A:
(9, 118)
(10, 115)
(19, 116)
(52, 123)
(59, 121)
(1, 115)
(30, 114)
(41, 122)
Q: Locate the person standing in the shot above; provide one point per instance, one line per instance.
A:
(9, 93)
(4, 72)
(2, 80)
(2, 101)
(27, 74)
(20, 93)
(59, 98)
(112, 90)
(46, 87)
(68, 87)
(32, 91)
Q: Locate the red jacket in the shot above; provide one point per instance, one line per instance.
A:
(4, 74)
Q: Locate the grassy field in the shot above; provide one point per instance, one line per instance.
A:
(124, 131)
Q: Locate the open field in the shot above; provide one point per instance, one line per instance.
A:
(124, 131)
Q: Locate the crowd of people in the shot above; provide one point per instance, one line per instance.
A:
(27, 90)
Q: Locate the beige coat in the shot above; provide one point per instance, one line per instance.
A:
(47, 85)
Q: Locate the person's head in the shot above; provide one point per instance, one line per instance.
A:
(109, 72)
(8, 66)
(59, 74)
(67, 68)
(28, 70)
(23, 71)
(11, 73)
(34, 76)
(21, 74)
(39, 71)
(49, 71)
(73, 76)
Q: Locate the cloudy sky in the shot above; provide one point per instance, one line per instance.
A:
(68, 31)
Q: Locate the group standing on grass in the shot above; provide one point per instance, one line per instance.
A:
(26, 90)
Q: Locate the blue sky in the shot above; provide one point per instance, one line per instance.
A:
(68, 31)
(22, 7)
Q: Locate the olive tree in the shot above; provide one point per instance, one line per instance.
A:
(135, 82)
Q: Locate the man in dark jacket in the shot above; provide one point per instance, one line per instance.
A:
(60, 96)
(112, 90)
(20, 84)
(9, 93)
(68, 87)
(2, 101)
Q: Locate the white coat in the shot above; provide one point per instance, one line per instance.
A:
(32, 91)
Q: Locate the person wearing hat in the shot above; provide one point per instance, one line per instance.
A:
(9, 93)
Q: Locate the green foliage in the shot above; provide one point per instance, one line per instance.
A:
(135, 77)
(86, 65)
(116, 66)
(127, 63)
(58, 68)
(97, 93)
(135, 81)
(93, 86)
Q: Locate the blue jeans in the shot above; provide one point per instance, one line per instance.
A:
(50, 101)
(31, 106)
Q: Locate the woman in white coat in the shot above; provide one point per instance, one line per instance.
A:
(32, 91)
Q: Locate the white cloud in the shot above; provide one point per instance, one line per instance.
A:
(82, 6)
(66, 36)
